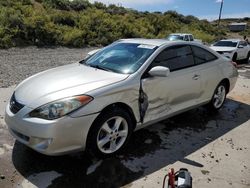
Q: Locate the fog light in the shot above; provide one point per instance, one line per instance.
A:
(41, 143)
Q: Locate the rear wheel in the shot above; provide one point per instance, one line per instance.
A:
(248, 56)
(234, 57)
(219, 97)
(109, 133)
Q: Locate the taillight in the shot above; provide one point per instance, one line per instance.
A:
(234, 64)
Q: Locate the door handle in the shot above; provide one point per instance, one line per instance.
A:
(196, 77)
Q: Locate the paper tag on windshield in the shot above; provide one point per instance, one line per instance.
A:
(146, 46)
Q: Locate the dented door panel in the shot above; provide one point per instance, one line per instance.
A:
(167, 95)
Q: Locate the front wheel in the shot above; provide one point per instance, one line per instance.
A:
(234, 57)
(109, 133)
(219, 97)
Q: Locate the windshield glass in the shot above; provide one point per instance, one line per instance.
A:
(174, 37)
(125, 58)
(226, 43)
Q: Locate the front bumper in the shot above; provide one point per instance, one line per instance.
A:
(50, 137)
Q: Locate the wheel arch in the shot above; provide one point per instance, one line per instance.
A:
(235, 55)
(114, 106)
(227, 84)
(123, 106)
(110, 108)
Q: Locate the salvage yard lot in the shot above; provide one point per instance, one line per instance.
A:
(214, 147)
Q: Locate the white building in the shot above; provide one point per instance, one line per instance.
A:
(237, 26)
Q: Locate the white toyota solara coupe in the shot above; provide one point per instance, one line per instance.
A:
(96, 104)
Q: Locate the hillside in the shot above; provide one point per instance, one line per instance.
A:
(80, 23)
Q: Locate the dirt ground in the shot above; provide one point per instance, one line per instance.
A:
(215, 148)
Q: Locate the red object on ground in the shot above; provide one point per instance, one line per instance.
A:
(171, 177)
(234, 64)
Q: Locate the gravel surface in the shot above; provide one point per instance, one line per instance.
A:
(16, 64)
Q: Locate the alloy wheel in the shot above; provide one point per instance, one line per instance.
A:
(112, 134)
(219, 96)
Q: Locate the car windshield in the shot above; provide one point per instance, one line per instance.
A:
(125, 58)
(174, 37)
(226, 43)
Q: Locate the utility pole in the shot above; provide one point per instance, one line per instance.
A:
(221, 5)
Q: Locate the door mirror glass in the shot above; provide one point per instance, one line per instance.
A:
(240, 46)
(159, 71)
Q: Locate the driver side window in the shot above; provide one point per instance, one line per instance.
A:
(175, 58)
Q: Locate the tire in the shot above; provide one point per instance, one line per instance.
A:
(218, 98)
(109, 133)
(248, 56)
(234, 57)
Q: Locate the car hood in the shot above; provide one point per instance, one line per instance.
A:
(223, 48)
(61, 82)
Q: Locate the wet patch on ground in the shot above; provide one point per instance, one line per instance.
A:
(141, 142)
(199, 119)
(78, 170)
(191, 130)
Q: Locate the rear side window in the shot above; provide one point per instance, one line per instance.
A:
(175, 58)
(202, 56)
(191, 37)
(243, 43)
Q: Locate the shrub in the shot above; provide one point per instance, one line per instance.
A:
(80, 23)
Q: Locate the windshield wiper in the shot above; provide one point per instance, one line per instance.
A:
(99, 67)
(82, 62)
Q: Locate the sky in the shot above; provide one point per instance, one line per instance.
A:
(203, 9)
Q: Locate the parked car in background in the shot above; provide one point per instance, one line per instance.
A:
(234, 49)
(96, 104)
(183, 37)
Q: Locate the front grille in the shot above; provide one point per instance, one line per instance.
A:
(220, 52)
(14, 105)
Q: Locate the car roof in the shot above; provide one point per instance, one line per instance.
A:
(155, 42)
(233, 40)
(158, 42)
(180, 34)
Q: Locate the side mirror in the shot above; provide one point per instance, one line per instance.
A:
(240, 46)
(159, 71)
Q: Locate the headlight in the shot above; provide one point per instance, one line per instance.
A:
(229, 52)
(61, 107)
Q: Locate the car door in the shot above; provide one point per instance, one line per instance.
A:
(210, 75)
(245, 51)
(178, 91)
(241, 50)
